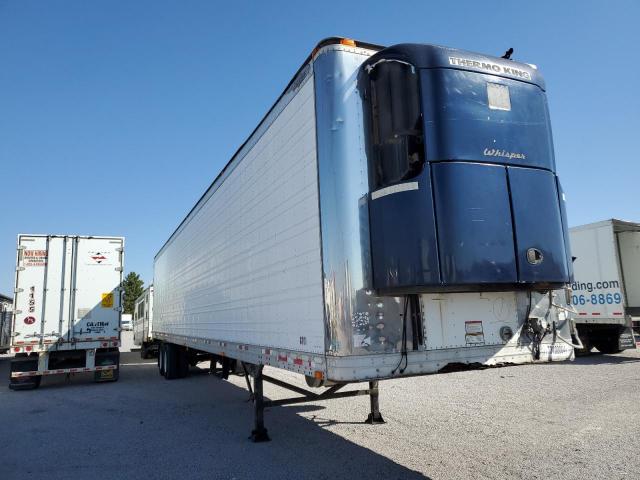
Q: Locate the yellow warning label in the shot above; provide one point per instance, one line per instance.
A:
(107, 300)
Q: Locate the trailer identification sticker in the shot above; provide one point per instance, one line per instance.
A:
(35, 258)
(32, 299)
(107, 300)
(474, 334)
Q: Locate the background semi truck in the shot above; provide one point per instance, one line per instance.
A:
(67, 307)
(606, 290)
(6, 304)
(143, 324)
(377, 223)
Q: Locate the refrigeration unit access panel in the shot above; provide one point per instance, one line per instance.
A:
(467, 140)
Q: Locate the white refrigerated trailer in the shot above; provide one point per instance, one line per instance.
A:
(377, 223)
(67, 307)
(143, 324)
(606, 290)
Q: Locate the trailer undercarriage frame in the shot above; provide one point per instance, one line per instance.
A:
(259, 432)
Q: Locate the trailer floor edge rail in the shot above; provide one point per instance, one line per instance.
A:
(259, 432)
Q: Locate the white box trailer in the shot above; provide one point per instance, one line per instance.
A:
(347, 241)
(606, 290)
(143, 324)
(67, 307)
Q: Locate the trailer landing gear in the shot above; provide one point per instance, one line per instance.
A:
(259, 432)
(375, 417)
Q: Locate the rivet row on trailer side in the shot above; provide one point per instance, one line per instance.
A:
(395, 213)
(67, 308)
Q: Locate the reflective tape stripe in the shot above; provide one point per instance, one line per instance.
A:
(59, 371)
(401, 187)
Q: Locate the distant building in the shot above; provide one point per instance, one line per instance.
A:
(6, 306)
(6, 303)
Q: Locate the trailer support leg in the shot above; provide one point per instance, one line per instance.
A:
(259, 433)
(375, 417)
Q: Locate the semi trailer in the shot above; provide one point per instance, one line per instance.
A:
(67, 308)
(143, 324)
(606, 289)
(6, 304)
(396, 212)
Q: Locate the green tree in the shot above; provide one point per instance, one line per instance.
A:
(133, 287)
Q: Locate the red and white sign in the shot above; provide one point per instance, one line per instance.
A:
(99, 258)
(35, 258)
(29, 320)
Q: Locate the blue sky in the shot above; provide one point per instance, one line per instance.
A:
(115, 116)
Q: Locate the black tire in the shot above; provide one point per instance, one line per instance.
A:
(586, 342)
(182, 359)
(161, 349)
(608, 345)
(25, 383)
(171, 361)
(144, 352)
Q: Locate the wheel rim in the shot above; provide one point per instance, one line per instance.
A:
(164, 362)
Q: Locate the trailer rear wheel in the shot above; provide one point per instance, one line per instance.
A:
(585, 339)
(171, 354)
(25, 383)
(24, 363)
(161, 359)
(182, 362)
(608, 345)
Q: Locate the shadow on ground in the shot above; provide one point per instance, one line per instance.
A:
(597, 358)
(146, 427)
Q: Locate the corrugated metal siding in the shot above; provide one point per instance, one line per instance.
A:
(246, 266)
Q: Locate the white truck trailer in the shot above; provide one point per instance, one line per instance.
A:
(377, 223)
(606, 290)
(143, 324)
(67, 307)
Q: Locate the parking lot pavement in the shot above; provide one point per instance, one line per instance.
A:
(566, 421)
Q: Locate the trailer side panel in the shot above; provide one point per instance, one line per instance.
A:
(245, 266)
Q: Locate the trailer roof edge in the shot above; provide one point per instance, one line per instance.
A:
(322, 43)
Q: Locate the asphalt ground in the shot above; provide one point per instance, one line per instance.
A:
(574, 420)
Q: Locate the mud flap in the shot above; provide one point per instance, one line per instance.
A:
(24, 365)
(626, 339)
(104, 358)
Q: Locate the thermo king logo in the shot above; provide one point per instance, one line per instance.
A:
(490, 67)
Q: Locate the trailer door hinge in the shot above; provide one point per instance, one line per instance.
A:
(17, 312)
(119, 249)
(18, 290)
(19, 269)
(118, 269)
